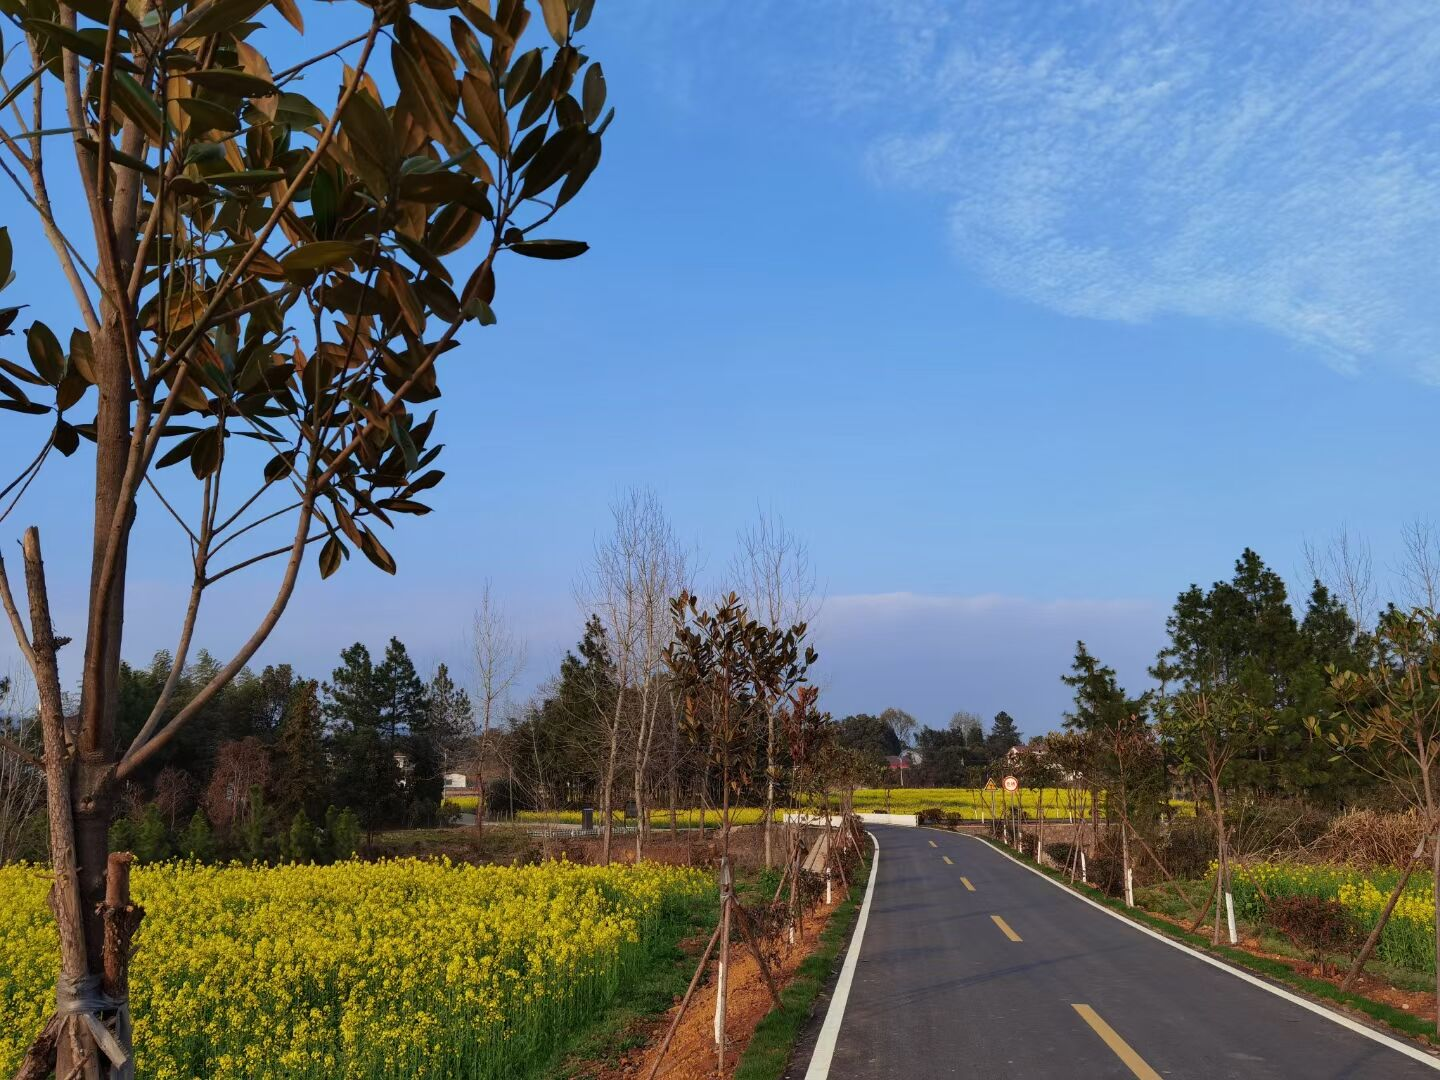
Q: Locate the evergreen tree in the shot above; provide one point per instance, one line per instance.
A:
(367, 775)
(302, 772)
(1003, 737)
(152, 839)
(405, 721)
(197, 841)
(300, 842)
(452, 718)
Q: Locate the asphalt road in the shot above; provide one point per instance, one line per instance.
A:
(942, 989)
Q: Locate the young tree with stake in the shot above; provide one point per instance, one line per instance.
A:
(1387, 721)
(262, 286)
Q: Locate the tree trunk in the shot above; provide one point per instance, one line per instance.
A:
(1222, 878)
(1435, 869)
(769, 784)
(607, 800)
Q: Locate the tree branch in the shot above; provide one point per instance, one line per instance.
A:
(21, 753)
(16, 622)
(137, 755)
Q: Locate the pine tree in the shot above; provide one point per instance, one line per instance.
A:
(302, 776)
(197, 841)
(367, 776)
(1003, 737)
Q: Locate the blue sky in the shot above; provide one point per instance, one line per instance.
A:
(1024, 315)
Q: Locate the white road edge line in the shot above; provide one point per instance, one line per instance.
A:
(1319, 1010)
(830, 1030)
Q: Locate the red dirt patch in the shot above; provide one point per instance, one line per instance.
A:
(691, 1055)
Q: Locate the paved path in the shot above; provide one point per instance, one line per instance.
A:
(1018, 978)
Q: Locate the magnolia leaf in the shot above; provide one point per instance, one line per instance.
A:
(479, 310)
(246, 177)
(429, 480)
(20, 373)
(291, 13)
(557, 20)
(87, 43)
(7, 255)
(30, 408)
(67, 439)
(222, 15)
(553, 160)
(484, 114)
(375, 551)
(10, 390)
(45, 353)
(593, 93)
(452, 229)
(99, 11)
(331, 555)
(405, 506)
(232, 81)
(207, 116)
(205, 453)
(320, 255)
(137, 103)
(177, 453)
(436, 187)
(550, 249)
(522, 77)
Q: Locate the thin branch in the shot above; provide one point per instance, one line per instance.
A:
(21, 753)
(254, 524)
(138, 755)
(17, 624)
(291, 72)
(213, 578)
(173, 512)
(28, 476)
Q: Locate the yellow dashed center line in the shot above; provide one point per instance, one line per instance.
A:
(947, 860)
(1005, 928)
(1123, 1050)
(966, 882)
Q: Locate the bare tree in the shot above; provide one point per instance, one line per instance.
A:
(1344, 564)
(636, 570)
(1419, 568)
(774, 576)
(499, 658)
(22, 777)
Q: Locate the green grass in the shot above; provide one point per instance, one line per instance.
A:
(1276, 971)
(774, 1040)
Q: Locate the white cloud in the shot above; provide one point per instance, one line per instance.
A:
(1267, 163)
(932, 655)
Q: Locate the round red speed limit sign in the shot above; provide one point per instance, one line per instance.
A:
(1011, 784)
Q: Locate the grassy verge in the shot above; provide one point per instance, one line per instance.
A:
(774, 1040)
(1405, 1023)
(621, 1027)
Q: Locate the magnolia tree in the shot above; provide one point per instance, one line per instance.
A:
(1387, 720)
(272, 253)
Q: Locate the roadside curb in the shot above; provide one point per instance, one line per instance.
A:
(1410, 1050)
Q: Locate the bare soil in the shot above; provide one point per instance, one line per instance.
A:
(692, 1055)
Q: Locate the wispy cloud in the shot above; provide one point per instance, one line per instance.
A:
(1269, 163)
(1276, 164)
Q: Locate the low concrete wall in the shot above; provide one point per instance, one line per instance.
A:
(868, 819)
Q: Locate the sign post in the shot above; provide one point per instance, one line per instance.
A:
(1012, 785)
